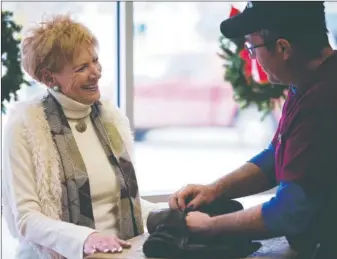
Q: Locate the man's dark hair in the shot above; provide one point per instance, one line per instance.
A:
(310, 45)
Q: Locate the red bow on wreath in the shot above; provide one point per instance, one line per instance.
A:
(244, 54)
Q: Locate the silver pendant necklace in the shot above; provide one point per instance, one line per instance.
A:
(81, 126)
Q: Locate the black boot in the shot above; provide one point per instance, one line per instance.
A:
(170, 238)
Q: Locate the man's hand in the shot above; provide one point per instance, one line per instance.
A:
(199, 222)
(194, 195)
(246, 180)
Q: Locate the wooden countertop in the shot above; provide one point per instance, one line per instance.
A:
(277, 248)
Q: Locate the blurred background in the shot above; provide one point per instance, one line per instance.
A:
(188, 128)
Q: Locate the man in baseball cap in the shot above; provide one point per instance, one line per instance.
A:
(283, 26)
(289, 40)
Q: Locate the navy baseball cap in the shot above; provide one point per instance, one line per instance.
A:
(288, 18)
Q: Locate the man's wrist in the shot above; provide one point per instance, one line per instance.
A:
(214, 226)
(216, 189)
(247, 222)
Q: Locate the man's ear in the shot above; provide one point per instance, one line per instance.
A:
(48, 78)
(284, 48)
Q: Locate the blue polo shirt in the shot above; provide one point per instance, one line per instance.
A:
(301, 160)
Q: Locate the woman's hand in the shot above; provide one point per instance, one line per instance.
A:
(97, 242)
(199, 222)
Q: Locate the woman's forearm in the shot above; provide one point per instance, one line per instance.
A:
(64, 238)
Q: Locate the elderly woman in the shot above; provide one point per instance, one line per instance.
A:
(69, 184)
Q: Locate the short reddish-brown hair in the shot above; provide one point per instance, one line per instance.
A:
(53, 43)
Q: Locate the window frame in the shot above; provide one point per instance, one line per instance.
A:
(125, 71)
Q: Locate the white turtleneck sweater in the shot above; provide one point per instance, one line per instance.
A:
(104, 189)
(65, 238)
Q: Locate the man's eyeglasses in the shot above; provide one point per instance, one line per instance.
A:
(251, 48)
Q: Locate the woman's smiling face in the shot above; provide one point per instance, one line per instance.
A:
(79, 79)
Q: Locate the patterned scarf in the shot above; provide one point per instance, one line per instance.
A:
(76, 197)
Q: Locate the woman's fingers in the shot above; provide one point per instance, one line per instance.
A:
(105, 244)
(123, 243)
(90, 251)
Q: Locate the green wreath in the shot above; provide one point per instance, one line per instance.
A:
(247, 91)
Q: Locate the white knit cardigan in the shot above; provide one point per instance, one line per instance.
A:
(31, 117)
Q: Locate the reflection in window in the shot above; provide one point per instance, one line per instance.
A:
(185, 117)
